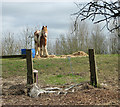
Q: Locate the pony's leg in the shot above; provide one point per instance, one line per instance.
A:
(45, 51)
(41, 51)
(36, 49)
(41, 46)
(45, 47)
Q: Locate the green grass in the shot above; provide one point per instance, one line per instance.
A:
(62, 71)
(13, 67)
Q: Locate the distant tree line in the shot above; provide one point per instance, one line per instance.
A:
(13, 43)
(83, 38)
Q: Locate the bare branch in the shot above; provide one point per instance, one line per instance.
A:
(109, 10)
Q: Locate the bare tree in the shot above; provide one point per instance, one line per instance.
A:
(27, 37)
(83, 38)
(113, 43)
(108, 10)
(50, 47)
(58, 49)
(97, 40)
(10, 45)
(13, 43)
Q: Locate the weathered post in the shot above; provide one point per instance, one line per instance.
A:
(29, 66)
(119, 51)
(93, 71)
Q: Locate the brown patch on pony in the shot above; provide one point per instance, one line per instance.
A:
(41, 41)
(45, 42)
(36, 34)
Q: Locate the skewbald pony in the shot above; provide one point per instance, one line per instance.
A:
(40, 38)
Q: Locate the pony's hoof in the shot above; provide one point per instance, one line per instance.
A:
(45, 55)
(41, 56)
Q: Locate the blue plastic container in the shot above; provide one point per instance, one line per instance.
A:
(23, 52)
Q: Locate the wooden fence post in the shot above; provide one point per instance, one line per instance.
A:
(29, 66)
(93, 71)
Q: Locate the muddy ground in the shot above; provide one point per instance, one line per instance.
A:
(13, 93)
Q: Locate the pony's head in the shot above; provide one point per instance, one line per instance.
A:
(44, 31)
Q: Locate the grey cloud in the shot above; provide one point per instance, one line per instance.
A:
(55, 15)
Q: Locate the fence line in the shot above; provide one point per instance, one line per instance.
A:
(13, 56)
(92, 62)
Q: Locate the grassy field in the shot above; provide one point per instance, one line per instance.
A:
(62, 71)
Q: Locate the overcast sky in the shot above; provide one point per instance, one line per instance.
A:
(56, 15)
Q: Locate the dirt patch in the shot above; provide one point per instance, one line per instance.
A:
(80, 53)
(82, 94)
(76, 54)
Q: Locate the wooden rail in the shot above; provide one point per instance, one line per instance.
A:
(13, 56)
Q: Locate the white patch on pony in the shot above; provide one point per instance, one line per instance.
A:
(38, 31)
(38, 39)
(46, 34)
(38, 50)
(37, 53)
